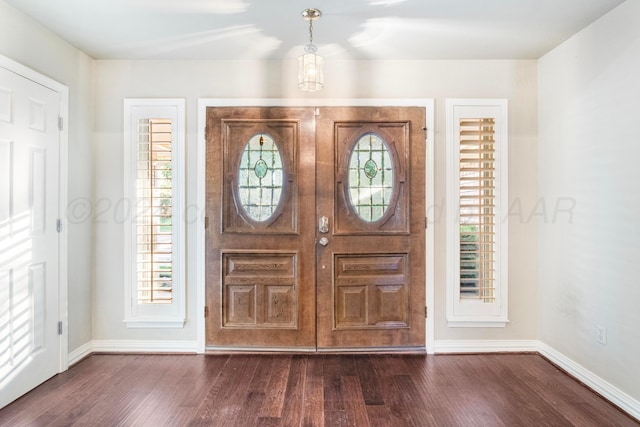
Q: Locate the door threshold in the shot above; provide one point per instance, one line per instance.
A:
(258, 350)
(214, 350)
(372, 350)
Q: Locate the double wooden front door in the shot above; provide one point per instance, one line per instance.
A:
(315, 228)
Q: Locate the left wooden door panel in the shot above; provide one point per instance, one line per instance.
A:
(261, 208)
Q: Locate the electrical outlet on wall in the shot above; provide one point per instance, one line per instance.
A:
(601, 334)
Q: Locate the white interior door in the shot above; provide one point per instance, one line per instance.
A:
(29, 241)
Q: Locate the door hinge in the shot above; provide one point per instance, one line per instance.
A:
(60, 123)
(426, 222)
(426, 312)
(206, 311)
(59, 225)
(206, 222)
(60, 328)
(317, 112)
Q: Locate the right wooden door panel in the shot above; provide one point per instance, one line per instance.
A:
(370, 286)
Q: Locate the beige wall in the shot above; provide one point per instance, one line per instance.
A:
(25, 41)
(97, 89)
(514, 80)
(588, 153)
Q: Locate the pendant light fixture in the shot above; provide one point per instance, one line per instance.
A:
(310, 64)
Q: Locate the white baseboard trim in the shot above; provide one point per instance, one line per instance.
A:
(610, 392)
(485, 346)
(130, 346)
(79, 353)
(143, 346)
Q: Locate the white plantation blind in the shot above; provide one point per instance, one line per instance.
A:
(477, 228)
(154, 227)
(154, 212)
(477, 208)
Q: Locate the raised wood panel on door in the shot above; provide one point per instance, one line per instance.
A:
(260, 275)
(371, 291)
(371, 275)
(259, 290)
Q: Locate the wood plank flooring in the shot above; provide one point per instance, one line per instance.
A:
(313, 390)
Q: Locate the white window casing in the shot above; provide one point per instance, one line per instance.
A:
(476, 222)
(154, 201)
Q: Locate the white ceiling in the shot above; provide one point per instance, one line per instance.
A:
(350, 29)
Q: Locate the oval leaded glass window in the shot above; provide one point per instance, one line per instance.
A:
(370, 177)
(260, 178)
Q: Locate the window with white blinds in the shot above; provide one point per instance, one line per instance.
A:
(477, 194)
(154, 212)
(476, 224)
(154, 228)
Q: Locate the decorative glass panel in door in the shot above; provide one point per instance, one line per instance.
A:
(260, 181)
(370, 178)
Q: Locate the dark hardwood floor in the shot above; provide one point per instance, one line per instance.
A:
(313, 390)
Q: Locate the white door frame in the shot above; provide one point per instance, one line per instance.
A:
(203, 103)
(63, 91)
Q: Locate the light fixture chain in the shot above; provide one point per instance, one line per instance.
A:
(310, 31)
